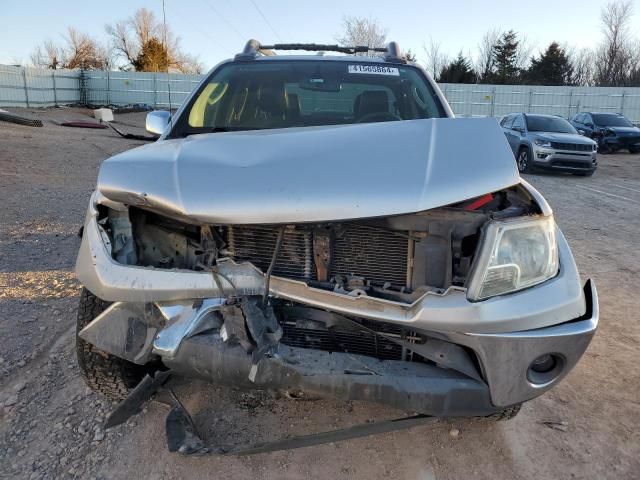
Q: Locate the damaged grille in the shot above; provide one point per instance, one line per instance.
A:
(377, 254)
(309, 335)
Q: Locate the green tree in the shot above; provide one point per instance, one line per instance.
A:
(458, 71)
(505, 53)
(152, 57)
(551, 68)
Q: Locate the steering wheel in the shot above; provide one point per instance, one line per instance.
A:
(378, 117)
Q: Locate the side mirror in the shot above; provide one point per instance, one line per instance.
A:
(157, 121)
(581, 132)
(590, 125)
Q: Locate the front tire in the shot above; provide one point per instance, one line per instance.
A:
(505, 414)
(524, 160)
(103, 373)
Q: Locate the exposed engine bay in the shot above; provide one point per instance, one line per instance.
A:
(396, 258)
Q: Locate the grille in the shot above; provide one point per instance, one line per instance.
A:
(379, 255)
(356, 342)
(575, 147)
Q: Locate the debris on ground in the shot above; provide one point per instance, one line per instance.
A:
(133, 136)
(556, 425)
(103, 114)
(83, 125)
(454, 432)
(19, 119)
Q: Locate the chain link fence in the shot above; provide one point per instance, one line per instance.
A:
(32, 87)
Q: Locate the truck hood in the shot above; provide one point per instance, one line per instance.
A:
(314, 174)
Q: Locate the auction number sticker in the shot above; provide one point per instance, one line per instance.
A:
(374, 70)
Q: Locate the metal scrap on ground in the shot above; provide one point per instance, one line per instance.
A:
(20, 120)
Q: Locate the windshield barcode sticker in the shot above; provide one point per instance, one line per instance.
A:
(374, 70)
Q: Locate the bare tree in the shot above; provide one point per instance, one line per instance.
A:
(615, 55)
(524, 52)
(485, 60)
(435, 58)
(582, 63)
(362, 31)
(47, 55)
(129, 37)
(78, 50)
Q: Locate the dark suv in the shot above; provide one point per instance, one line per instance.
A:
(612, 131)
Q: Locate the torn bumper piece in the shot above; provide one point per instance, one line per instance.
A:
(415, 387)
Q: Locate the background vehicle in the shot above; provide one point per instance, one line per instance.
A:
(549, 142)
(612, 131)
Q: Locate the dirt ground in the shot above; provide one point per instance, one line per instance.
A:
(50, 422)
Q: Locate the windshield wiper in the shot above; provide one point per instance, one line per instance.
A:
(219, 129)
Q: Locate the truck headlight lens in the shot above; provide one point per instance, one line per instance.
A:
(515, 254)
(542, 143)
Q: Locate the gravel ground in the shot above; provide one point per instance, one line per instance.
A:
(50, 422)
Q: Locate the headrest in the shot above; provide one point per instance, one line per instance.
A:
(272, 100)
(371, 101)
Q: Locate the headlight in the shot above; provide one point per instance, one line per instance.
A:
(515, 254)
(542, 143)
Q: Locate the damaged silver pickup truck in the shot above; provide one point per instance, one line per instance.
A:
(322, 226)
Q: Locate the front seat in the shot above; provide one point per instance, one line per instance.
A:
(370, 101)
(272, 105)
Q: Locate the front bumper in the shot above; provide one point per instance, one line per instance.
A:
(564, 160)
(619, 142)
(506, 334)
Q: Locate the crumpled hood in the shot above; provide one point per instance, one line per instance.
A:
(314, 174)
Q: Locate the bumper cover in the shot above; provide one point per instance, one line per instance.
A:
(564, 161)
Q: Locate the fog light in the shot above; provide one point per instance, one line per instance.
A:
(545, 369)
(542, 155)
(543, 364)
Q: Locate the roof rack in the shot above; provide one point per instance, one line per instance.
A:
(253, 49)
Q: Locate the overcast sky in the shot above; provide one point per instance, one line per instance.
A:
(214, 30)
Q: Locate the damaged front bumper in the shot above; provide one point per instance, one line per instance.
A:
(174, 315)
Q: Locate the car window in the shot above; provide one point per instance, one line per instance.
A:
(281, 94)
(518, 122)
(611, 120)
(579, 118)
(586, 119)
(539, 123)
(507, 121)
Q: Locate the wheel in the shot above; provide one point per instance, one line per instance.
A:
(105, 374)
(523, 160)
(505, 414)
(604, 148)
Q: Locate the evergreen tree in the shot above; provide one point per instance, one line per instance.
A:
(551, 68)
(152, 57)
(505, 53)
(458, 71)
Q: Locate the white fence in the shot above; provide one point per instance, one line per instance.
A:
(31, 87)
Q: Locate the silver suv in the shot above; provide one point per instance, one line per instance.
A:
(550, 143)
(313, 225)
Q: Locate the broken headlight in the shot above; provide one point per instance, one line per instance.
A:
(515, 254)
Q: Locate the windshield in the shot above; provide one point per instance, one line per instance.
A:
(549, 124)
(610, 120)
(281, 94)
